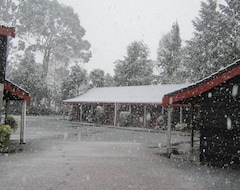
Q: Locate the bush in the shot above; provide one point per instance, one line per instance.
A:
(100, 115)
(181, 127)
(125, 118)
(11, 122)
(5, 133)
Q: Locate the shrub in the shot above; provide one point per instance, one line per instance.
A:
(125, 118)
(12, 122)
(5, 132)
(181, 127)
(100, 115)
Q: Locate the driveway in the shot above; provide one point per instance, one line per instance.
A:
(60, 155)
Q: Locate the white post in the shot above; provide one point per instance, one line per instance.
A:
(181, 115)
(169, 149)
(115, 114)
(1, 100)
(81, 113)
(144, 116)
(23, 123)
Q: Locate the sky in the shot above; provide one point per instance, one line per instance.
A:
(112, 25)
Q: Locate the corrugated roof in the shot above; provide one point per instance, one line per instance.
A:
(149, 94)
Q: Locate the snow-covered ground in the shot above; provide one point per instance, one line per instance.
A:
(63, 155)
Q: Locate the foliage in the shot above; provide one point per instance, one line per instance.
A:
(169, 56)
(5, 132)
(100, 115)
(125, 118)
(11, 122)
(181, 127)
(136, 69)
(56, 34)
(28, 75)
(40, 110)
(75, 84)
(215, 41)
(97, 78)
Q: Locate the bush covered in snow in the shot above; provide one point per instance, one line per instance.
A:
(125, 118)
(100, 114)
(5, 132)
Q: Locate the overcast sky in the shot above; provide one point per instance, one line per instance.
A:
(111, 25)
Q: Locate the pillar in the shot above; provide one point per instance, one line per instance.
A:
(169, 121)
(23, 123)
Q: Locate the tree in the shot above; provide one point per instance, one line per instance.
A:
(215, 41)
(136, 68)
(230, 30)
(109, 80)
(52, 29)
(97, 78)
(169, 56)
(75, 83)
(28, 76)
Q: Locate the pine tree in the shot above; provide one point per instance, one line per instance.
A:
(215, 40)
(136, 68)
(169, 56)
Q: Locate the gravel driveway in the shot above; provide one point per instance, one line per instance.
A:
(60, 155)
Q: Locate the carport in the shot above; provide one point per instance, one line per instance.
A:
(218, 96)
(12, 92)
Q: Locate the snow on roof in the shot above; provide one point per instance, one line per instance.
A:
(149, 94)
(203, 85)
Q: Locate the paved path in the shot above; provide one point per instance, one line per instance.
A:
(61, 155)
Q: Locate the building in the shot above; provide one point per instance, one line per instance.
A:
(143, 102)
(218, 96)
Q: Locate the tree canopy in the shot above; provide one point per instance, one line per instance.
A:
(136, 68)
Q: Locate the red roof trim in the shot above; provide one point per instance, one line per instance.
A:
(17, 92)
(201, 88)
(7, 31)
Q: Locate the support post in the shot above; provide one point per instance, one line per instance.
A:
(181, 115)
(23, 123)
(192, 126)
(1, 100)
(81, 113)
(169, 149)
(115, 114)
(144, 116)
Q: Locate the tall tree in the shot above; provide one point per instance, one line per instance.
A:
(214, 44)
(27, 74)
(75, 83)
(52, 29)
(169, 56)
(97, 78)
(230, 31)
(136, 68)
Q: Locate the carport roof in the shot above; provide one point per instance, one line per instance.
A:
(149, 94)
(14, 92)
(204, 85)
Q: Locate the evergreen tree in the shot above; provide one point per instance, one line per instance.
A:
(136, 68)
(75, 83)
(230, 31)
(97, 78)
(169, 56)
(215, 41)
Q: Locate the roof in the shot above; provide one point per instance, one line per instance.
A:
(149, 94)
(203, 85)
(7, 31)
(14, 92)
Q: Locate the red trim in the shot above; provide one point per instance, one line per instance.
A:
(17, 92)
(201, 88)
(112, 103)
(7, 31)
